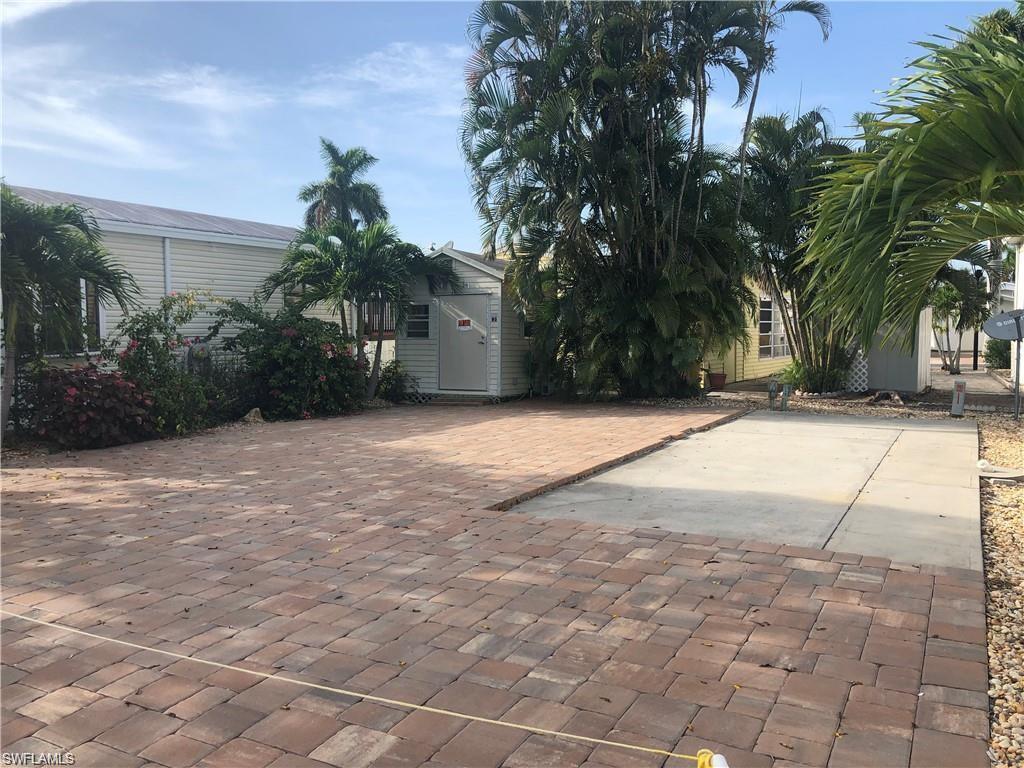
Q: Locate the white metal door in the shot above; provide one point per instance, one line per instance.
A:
(463, 342)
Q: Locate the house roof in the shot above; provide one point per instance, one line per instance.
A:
(151, 219)
(493, 267)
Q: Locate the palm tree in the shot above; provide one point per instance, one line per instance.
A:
(48, 250)
(771, 17)
(709, 36)
(370, 267)
(343, 196)
(946, 171)
(786, 156)
(961, 299)
(617, 227)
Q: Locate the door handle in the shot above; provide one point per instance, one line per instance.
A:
(481, 342)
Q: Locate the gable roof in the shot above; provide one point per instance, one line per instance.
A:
(493, 267)
(115, 216)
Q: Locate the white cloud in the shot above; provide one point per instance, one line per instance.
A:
(205, 88)
(428, 79)
(49, 106)
(219, 99)
(13, 11)
(54, 104)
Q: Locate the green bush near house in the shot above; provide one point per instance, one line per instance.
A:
(148, 347)
(814, 378)
(299, 366)
(997, 353)
(395, 382)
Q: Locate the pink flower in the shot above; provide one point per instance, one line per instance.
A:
(173, 293)
(133, 344)
(322, 378)
(275, 392)
(188, 342)
(71, 391)
(307, 415)
(289, 332)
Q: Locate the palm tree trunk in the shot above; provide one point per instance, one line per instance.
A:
(360, 349)
(942, 352)
(750, 116)
(343, 313)
(371, 385)
(10, 364)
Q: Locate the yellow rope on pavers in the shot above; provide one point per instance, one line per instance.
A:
(703, 758)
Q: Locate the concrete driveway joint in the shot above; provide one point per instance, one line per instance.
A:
(906, 489)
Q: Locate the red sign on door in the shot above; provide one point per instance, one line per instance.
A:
(464, 323)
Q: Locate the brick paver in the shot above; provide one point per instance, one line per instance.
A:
(368, 553)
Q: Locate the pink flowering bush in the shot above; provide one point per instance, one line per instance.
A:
(300, 367)
(84, 407)
(148, 348)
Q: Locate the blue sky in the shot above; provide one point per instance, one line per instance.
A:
(216, 107)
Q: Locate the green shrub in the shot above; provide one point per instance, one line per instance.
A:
(148, 349)
(84, 407)
(299, 366)
(817, 378)
(997, 353)
(395, 382)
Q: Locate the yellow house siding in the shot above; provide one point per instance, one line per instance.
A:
(739, 364)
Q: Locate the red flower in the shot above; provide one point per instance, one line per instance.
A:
(307, 415)
(322, 378)
(72, 391)
(133, 345)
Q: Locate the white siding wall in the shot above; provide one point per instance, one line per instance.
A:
(224, 270)
(143, 256)
(420, 356)
(514, 347)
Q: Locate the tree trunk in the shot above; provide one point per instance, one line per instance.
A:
(10, 364)
(360, 332)
(942, 352)
(371, 385)
(343, 313)
(750, 116)
(954, 355)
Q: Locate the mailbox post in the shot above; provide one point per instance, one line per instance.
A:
(1009, 326)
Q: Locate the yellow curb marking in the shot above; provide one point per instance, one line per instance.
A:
(702, 758)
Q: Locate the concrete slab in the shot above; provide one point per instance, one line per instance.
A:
(906, 489)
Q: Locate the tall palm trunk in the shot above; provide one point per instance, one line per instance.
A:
(750, 114)
(10, 364)
(371, 385)
(360, 333)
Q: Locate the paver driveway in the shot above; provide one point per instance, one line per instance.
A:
(359, 553)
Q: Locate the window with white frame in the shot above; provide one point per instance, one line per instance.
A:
(771, 331)
(417, 325)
